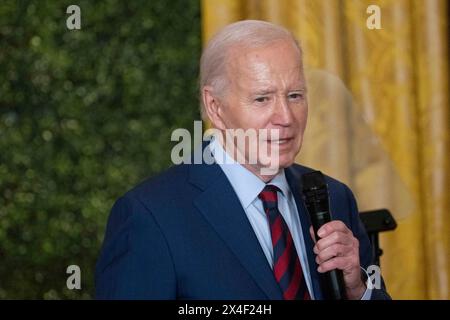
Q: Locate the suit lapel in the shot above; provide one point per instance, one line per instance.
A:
(220, 206)
(293, 178)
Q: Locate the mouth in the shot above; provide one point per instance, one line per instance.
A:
(281, 141)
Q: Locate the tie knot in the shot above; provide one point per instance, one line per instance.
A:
(269, 196)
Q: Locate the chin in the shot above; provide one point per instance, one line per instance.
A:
(286, 160)
(286, 164)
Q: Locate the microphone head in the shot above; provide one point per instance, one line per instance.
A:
(313, 180)
(316, 198)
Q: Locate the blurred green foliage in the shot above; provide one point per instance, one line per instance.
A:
(84, 116)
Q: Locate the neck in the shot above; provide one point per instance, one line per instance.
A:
(257, 172)
(256, 169)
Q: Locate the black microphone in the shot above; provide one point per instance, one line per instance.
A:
(316, 198)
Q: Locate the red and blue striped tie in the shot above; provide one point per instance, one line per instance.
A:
(286, 264)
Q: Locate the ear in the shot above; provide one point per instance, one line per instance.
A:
(213, 108)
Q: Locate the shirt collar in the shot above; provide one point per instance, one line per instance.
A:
(246, 184)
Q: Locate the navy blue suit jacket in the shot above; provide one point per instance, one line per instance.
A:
(184, 235)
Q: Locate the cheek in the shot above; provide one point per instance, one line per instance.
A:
(304, 119)
(253, 119)
(301, 117)
(304, 115)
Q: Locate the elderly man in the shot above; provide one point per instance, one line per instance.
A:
(230, 230)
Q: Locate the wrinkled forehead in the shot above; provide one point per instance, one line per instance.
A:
(278, 49)
(280, 59)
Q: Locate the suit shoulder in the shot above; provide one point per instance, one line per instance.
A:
(161, 184)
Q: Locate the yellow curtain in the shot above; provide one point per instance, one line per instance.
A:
(379, 117)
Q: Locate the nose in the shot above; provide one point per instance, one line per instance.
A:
(282, 114)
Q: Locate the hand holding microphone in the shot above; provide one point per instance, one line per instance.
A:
(336, 249)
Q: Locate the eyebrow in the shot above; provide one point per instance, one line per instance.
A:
(269, 91)
(299, 89)
(264, 91)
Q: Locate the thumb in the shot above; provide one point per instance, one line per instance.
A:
(311, 232)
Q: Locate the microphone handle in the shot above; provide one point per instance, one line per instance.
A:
(332, 282)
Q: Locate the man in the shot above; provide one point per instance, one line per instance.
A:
(230, 230)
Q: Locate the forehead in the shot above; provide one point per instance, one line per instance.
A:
(279, 59)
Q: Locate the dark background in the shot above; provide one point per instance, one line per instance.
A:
(84, 116)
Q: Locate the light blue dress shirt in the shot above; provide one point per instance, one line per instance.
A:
(247, 187)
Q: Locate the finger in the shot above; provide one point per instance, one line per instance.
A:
(340, 263)
(332, 226)
(335, 250)
(335, 238)
(313, 236)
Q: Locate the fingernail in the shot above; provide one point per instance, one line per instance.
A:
(320, 233)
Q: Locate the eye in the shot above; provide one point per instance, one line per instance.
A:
(262, 99)
(296, 96)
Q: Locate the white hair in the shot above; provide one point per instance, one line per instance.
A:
(245, 34)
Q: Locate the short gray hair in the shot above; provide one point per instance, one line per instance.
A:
(245, 33)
